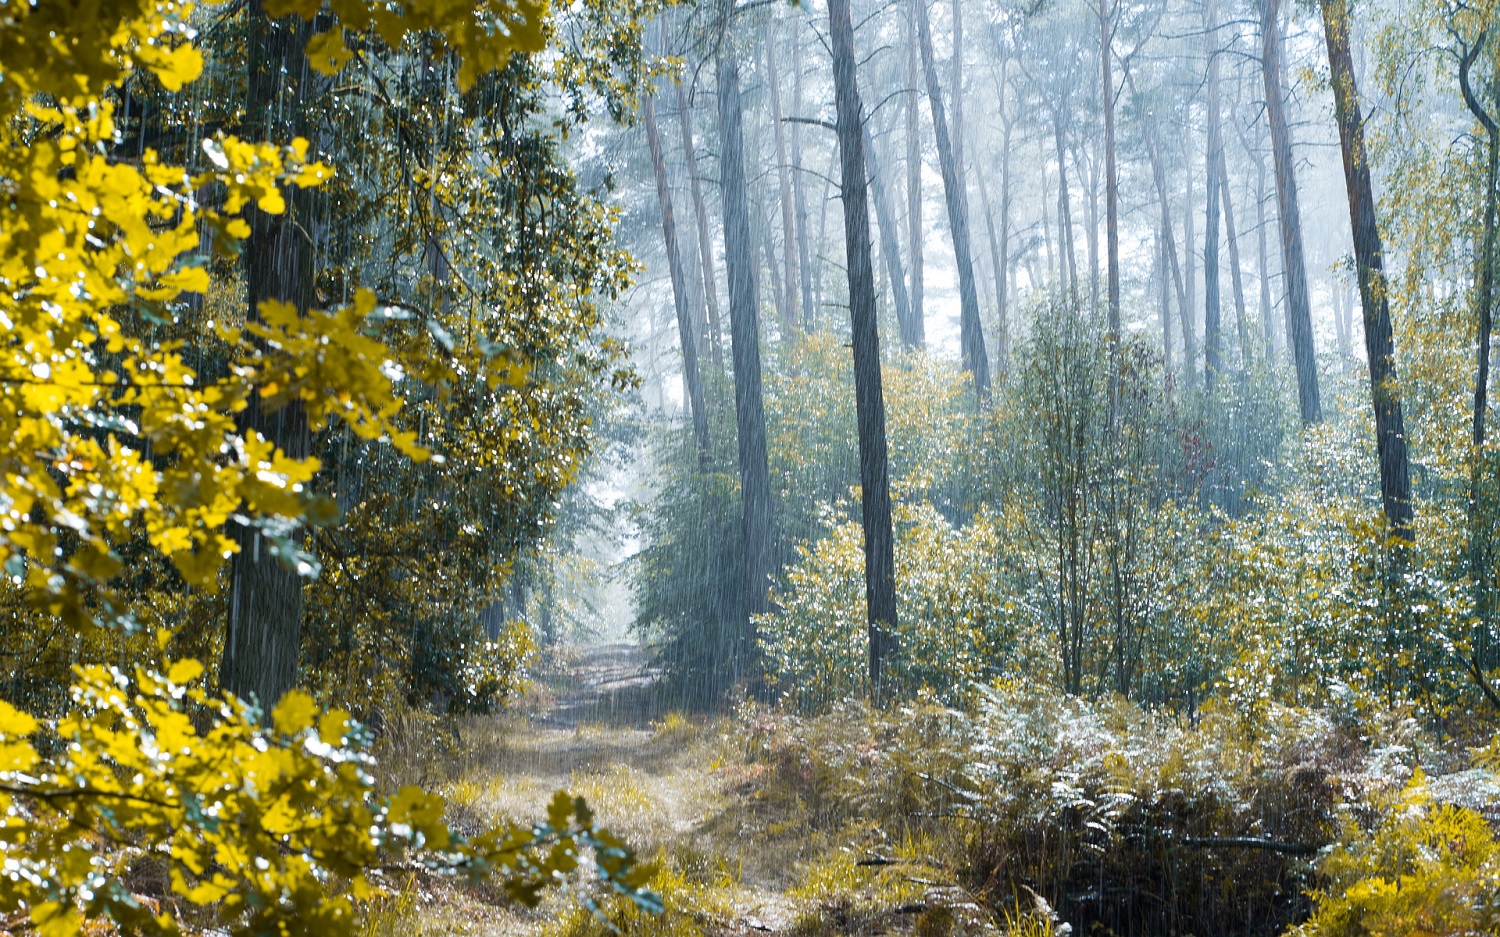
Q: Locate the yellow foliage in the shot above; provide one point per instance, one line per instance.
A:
(251, 821)
(1426, 868)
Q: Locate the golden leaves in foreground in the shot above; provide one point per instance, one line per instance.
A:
(251, 823)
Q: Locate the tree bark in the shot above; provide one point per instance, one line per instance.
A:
(1236, 277)
(804, 255)
(1111, 174)
(744, 337)
(956, 66)
(772, 269)
(998, 263)
(1380, 347)
(971, 335)
(1002, 340)
(890, 239)
(1480, 532)
(788, 231)
(705, 235)
(914, 177)
(686, 332)
(264, 636)
(1190, 262)
(1298, 314)
(1213, 342)
(1268, 328)
(1341, 331)
(1159, 176)
(1162, 264)
(1484, 304)
(875, 496)
(1064, 206)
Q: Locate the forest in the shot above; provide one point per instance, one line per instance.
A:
(723, 467)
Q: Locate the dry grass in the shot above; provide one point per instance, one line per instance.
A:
(748, 836)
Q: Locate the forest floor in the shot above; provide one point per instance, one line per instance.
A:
(738, 857)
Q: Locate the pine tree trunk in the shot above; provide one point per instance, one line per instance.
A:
(1480, 526)
(1236, 277)
(705, 235)
(1159, 175)
(1111, 175)
(1165, 298)
(804, 254)
(1298, 313)
(998, 264)
(1054, 260)
(1484, 294)
(788, 231)
(890, 239)
(1213, 340)
(1380, 346)
(880, 564)
(744, 338)
(1340, 330)
(264, 636)
(685, 327)
(1268, 328)
(1002, 340)
(1064, 207)
(914, 177)
(1190, 273)
(971, 336)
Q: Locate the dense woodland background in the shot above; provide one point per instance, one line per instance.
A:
(1077, 410)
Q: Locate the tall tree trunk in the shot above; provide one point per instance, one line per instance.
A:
(686, 332)
(956, 65)
(1159, 176)
(1111, 173)
(914, 176)
(1190, 258)
(705, 235)
(1380, 346)
(1064, 206)
(998, 263)
(264, 636)
(1298, 313)
(1340, 330)
(890, 239)
(1236, 277)
(1054, 263)
(880, 563)
(1267, 314)
(1002, 340)
(1480, 530)
(1162, 263)
(799, 194)
(744, 339)
(788, 231)
(1213, 340)
(1484, 294)
(773, 271)
(1091, 220)
(971, 335)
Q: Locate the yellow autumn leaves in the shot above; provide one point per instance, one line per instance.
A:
(250, 822)
(112, 432)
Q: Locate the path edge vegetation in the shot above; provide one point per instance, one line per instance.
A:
(265, 819)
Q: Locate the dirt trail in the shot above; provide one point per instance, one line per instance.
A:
(657, 780)
(744, 849)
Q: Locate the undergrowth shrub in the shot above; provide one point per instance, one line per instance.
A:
(1424, 867)
(1117, 817)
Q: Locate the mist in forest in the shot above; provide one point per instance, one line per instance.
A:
(927, 467)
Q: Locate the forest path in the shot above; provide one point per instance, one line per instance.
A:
(671, 785)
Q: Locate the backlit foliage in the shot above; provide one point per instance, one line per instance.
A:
(250, 825)
(123, 463)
